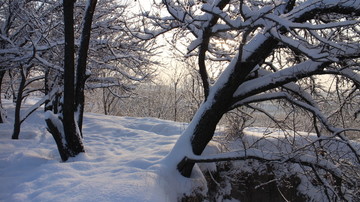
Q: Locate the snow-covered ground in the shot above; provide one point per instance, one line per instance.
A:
(123, 162)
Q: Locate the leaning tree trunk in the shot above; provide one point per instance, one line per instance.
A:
(221, 100)
(202, 133)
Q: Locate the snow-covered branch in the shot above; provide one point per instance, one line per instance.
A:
(49, 64)
(278, 78)
(305, 106)
(37, 105)
(267, 156)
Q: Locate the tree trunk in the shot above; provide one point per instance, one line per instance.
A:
(17, 121)
(71, 136)
(104, 101)
(203, 132)
(221, 101)
(52, 80)
(12, 86)
(64, 152)
(81, 64)
(48, 106)
(2, 113)
(70, 143)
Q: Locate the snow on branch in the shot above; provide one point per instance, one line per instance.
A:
(309, 26)
(119, 70)
(9, 51)
(278, 78)
(288, 97)
(267, 156)
(49, 64)
(305, 106)
(251, 18)
(315, 54)
(225, 17)
(178, 17)
(33, 79)
(108, 85)
(294, 88)
(38, 104)
(311, 7)
(175, 11)
(345, 72)
(355, 77)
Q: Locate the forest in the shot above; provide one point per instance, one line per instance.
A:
(241, 100)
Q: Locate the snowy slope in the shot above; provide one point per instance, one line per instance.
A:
(121, 163)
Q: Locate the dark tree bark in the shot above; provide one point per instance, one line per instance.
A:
(222, 102)
(2, 74)
(6, 26)
(72, 138)
(70, 143)
(105, 98)
(81, 63)
(47, 87)
(54, 130)
(73, 93)
(52, 78)
(12, 86)
(204, 47)
(223, 98)
(17, 121)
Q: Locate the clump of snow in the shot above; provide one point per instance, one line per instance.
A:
(211, 149)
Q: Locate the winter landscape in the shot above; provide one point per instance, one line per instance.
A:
(121, 163)
(186, 100)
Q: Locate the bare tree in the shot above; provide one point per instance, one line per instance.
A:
(112, 59)
(270, 51)
(9, 17)
(32, 37)
(118, 61)
(21, 35)
(65, 129)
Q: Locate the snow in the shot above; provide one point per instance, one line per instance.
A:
(123, 162)
(277, 77)
(132, 159)
(296, 146)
